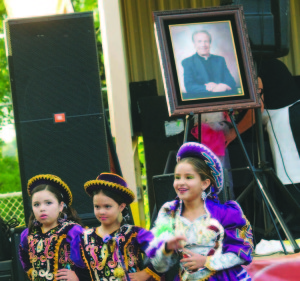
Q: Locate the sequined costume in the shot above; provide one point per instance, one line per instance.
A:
(223, 234)
(115, 255)
(43, 254)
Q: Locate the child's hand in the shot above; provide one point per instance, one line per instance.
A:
(175, 243)
(67, 275)
(139, 276)
(194, 261)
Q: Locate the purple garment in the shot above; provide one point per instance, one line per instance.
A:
(50, 251)
(122, 247)
(75, 252)
(74, 242)
(233, 237)
(23, 250)
(237, 238)
(144, 237)
(238, 232)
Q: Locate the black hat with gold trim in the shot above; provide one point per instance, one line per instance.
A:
(112, 182)
(54, 181)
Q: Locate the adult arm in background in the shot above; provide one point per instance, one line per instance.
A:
(248, 120)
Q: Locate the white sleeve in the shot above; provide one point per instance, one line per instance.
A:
(223, 261)
(163, 232)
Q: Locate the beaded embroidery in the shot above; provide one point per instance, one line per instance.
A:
(49, 251)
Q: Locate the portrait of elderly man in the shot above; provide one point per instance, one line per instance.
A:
(206, 74)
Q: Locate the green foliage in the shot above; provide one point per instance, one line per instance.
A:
(92, 5)
(84, 5)
(141, 155)
(5, 95)
(141, 152)
(9, 176)
(9, 166)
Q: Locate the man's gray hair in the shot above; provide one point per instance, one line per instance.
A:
(202, 31)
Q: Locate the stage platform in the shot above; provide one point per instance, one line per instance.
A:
(275, 267)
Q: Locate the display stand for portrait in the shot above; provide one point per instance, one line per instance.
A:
(259, 180)
(187, 125)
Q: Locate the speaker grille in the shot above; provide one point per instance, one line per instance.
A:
(54, 69)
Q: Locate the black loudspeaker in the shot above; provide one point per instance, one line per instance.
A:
(157, 145)
(4, 241)
(6, 270)
(297, 80)
(268, 25)
(140, 90)
(57, 101)
(163, 189)
(164, 192)
(17, 269)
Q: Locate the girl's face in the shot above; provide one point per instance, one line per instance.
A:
(106, 209)
(46, 208)
(188, 183)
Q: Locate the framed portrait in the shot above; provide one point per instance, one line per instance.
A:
(206, 60)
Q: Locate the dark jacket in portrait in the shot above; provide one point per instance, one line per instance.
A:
(198, 72)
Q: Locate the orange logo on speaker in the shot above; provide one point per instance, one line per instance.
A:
(59, 117)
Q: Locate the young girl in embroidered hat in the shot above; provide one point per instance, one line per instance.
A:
(44, 249)
(211, 240)
(112, 250)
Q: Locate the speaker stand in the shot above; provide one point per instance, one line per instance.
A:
(260, 180)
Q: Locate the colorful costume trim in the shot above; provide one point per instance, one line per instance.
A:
(120, 250)
(58, 244)
(152, 273)
(84, 260)
(29, 273)
(133, 235)
(202, 279)
(167, 253)
(43, 254)
(223, 234)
